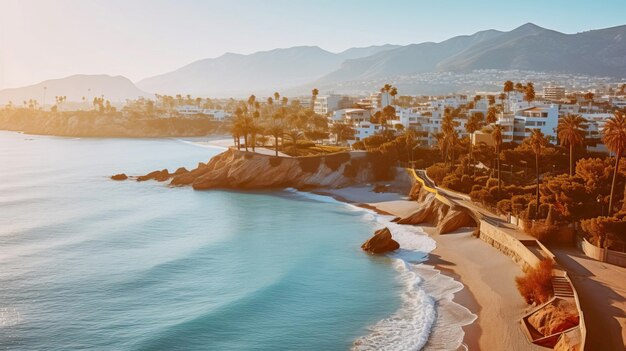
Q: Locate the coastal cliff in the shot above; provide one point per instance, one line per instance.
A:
(432, 210)
(97, 124)
(234, 169)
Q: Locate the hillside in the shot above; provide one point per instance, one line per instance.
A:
(529, 47)
(115, 89)
(261, 72)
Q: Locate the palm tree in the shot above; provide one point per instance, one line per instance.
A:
(441, 144)
(589, 97)
(393, 93)
(529, 92)
(537, 142)
(614, 137)
(314, 93)
(474, 123)
(501, 97)
(342, 131)
(496, 135)
(277, 130)
(492, 116)
(571, 131)
(508, 88)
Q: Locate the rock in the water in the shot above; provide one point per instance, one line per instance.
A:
(381, 242)
(181, 170)
(120, 176)
(160, 176)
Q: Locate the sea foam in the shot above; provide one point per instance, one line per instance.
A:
(428, 318)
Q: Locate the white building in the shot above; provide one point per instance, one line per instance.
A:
(218, 115)
(553, 93)
(545, 119)
(187, 110)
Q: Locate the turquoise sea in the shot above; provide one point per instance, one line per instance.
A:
(87, 263)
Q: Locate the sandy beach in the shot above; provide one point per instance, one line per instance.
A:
(487, 274)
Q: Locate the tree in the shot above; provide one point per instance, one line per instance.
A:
(342, 132)
(314, 93)
(614, 137)
(508, 88)
(449, 134)
(519, 87)
(474, 123)
(496, 135)
(529, 92)
(277, 130)
(589, 97)
(501, 97)
(571, 132)
(393, 93)
(492, 116)
(276, 97)
(537, 143)
(389, 114)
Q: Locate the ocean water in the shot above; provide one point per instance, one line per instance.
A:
(87, 263)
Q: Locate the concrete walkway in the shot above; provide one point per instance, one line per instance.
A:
(601, 287)
(601, 290)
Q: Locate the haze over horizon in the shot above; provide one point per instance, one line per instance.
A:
(41, 40)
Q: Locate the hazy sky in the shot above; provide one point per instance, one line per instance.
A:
(42, 39)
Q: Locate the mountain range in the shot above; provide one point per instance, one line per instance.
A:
(115, 89)
(529, 47)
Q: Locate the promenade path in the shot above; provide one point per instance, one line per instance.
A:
(601, 287)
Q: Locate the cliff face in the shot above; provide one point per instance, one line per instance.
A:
(235, 169)
(431, 210)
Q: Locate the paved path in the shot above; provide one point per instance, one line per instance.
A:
(601, 287)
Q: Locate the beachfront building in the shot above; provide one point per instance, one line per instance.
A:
(216, 115)
(553, 93)
(544, 118)
(189, 110)
(325, 105)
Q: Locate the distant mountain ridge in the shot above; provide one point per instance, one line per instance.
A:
(114, 88)
(529, 47)
(296, 70)
(266, 71)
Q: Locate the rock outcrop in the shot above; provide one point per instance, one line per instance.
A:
(555, 317)
(234, 169)
(381, 242)
(120, 176)
(159, 176)
(433, 211)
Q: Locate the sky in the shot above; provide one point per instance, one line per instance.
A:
(43, 39)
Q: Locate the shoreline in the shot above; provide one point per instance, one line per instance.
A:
(490, 295)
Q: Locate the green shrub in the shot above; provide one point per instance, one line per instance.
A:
(352, 168)
(536, 284)
(334, 161)
(382, 165)
(309, 164)
(492, 182)
(482, 180)
(359, 145)
(436, 172)
(504, 206)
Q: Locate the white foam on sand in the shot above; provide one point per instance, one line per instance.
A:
(428, 318)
